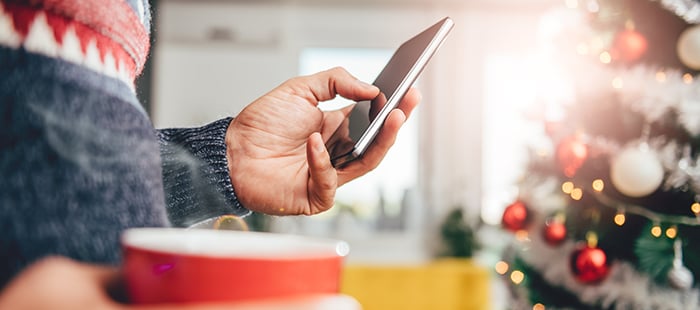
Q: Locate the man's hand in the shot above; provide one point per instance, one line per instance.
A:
(276, 146)
(60, 284)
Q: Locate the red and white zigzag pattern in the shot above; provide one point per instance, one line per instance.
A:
(41, 31)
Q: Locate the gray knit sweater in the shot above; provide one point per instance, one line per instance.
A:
(80, 160)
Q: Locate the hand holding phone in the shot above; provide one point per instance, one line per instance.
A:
(358, 131)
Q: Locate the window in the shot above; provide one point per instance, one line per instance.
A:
(513, 122)
(386, 184)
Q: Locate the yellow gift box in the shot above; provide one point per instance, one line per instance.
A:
(442, 284)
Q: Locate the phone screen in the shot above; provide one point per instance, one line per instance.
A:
(393, 82)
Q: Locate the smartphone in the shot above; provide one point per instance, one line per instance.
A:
(356, 133)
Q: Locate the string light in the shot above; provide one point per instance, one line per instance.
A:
(620, 218)
(576, 194)
(661, 76)
(672, 232)
(606, 201)
(656, 230)
(517, 276)
(567, 187)
(502, 267)
(695, 207)
(538, 306)
(598, 185)
(688, 78)
(605, 57)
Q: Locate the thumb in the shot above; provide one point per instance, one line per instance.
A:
(323, 179)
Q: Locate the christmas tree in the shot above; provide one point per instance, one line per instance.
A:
(608, 215)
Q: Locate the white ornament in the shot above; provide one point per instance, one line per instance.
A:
(688, 47)
(679, 276)
(636, 171)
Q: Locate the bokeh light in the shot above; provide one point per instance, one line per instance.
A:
(672, 232)
(656, 231)
(576, 194)
(517, 276)
(620, 218)
(567, 187)
(598, 185)
(502, 267)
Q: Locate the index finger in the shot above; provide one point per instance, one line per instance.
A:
(327, 84)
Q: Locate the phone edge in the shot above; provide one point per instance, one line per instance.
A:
(373, 129)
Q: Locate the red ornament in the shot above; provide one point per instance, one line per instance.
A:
(589, 264)
(571, 154)
(554, 232)
(515, 216)
(629, 46)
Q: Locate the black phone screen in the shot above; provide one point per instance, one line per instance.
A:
(396, 71)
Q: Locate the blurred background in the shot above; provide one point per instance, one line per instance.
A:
(211, 58)
(554, 161)
(462, 150)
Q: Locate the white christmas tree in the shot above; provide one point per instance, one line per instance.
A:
(607, 217)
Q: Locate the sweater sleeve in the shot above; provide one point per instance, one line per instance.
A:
(195, 174)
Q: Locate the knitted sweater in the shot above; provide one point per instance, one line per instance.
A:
(79, 159)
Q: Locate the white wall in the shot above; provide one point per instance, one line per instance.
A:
(199, 77)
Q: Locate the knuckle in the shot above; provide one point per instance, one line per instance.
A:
(338, 71)
(327, 185)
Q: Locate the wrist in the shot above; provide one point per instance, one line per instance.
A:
(235, 158)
